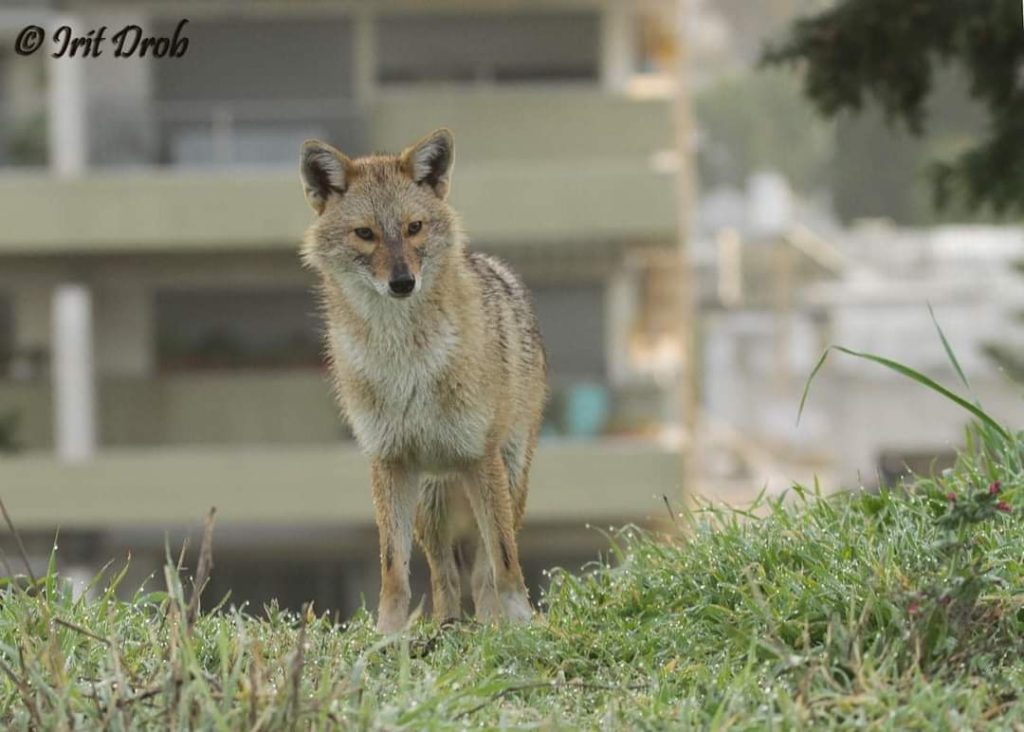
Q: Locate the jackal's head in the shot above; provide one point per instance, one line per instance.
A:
(382, 221)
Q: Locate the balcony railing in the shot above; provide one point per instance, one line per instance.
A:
(281, 407)
(218, 132)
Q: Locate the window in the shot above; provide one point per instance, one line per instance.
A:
(267, 58)
(249, 91)
(520, 47)
(23, 132)
(573, 325)
(245, 329)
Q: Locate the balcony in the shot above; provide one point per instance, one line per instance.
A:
(564, 123)
(531, 168)
(295, 485)
(176, 444)
(232, 408)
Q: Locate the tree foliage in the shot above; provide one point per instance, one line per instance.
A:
(887, 53)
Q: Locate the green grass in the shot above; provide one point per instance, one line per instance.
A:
(897, 610)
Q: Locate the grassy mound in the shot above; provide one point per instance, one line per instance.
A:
(903, 609)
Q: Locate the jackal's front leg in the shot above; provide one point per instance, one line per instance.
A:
(491, 500)
(434, 531)
(394, 500)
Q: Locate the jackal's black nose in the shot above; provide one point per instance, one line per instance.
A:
(402, 285)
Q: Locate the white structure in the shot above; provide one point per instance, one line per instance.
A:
(867, 289)
(73, 373)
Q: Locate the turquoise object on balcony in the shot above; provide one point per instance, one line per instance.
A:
(586, 409)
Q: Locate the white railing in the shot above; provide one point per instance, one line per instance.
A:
(219, 132)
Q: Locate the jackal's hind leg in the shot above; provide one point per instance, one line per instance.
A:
(517, 454)
(491, 499)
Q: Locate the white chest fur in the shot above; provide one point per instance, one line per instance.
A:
(402, 363)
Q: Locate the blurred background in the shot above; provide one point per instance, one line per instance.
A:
(160, 349)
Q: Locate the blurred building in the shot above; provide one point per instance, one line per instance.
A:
(789, 283)
(160, 350)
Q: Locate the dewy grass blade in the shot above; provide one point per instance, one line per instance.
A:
(807, 384)
(949, 350)
(910, 374)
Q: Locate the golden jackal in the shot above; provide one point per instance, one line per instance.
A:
(438, 366)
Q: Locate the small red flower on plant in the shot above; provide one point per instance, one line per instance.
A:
(994, 488)
(951, 497)
(1004, 507)
(913, 608)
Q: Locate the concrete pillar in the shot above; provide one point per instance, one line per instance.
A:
(73, 373)
(617, 44)
(621, 305)
(364, 56)
(730, 267)
(67, 108)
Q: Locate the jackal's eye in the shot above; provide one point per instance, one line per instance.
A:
(365, 233)
(414, 227)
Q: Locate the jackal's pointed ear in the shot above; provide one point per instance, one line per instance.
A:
(429, 161)
(324, 170)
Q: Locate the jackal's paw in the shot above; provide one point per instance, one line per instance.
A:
(392, 617)
(516, 608)
(390, 623)
(488, 609)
